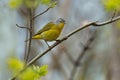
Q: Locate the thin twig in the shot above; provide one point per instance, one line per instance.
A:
(26, 54)
(68, 55)
(69, 35)
(41, 13)
(24, 27)
(114, 13)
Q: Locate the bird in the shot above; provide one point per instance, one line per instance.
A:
(51, 31)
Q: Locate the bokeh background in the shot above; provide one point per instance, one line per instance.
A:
(100, 60)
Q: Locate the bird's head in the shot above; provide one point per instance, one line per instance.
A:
(60, 20)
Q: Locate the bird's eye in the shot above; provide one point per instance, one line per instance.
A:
(60, 20)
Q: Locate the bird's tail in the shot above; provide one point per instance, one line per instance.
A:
(34, 37)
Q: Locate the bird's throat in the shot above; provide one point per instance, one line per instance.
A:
(61, 25)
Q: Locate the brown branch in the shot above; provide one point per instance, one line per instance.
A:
(106, 22)
(41, 13)
(24, 27)
(25, 54)
(69, 35)
(31, 27)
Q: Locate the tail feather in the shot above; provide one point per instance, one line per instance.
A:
(34, 37)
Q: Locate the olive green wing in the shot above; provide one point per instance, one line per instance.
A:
(45, 28)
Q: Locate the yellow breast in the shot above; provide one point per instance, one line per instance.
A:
(50, 35)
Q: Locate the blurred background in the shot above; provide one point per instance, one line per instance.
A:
(99, 45)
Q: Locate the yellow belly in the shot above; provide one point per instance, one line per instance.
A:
(50, 35)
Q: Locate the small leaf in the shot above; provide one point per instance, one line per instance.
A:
(52, 5)
(42, 71)
(15, 3)
(15, 65)
(32, 3)
(28, 74)
(46, 2)
(111, 4)
(33, 73)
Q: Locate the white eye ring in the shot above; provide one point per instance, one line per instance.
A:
(60, 20)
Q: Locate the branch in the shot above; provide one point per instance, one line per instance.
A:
(69, 35)
(24, 27)
(56, 43)
(31, 27)
(106, 22)
(41, 13)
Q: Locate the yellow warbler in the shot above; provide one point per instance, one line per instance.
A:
(51, 31)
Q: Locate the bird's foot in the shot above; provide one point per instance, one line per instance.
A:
(57, 40)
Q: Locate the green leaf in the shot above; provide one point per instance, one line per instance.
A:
(15, 3)
(28, 74)
(42, 71)
(46, 2)
(32, 3)
(53, 4)
(33, 73)
(15, 65)
(111, 4)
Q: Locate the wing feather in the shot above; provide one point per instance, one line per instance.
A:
(45, 28)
